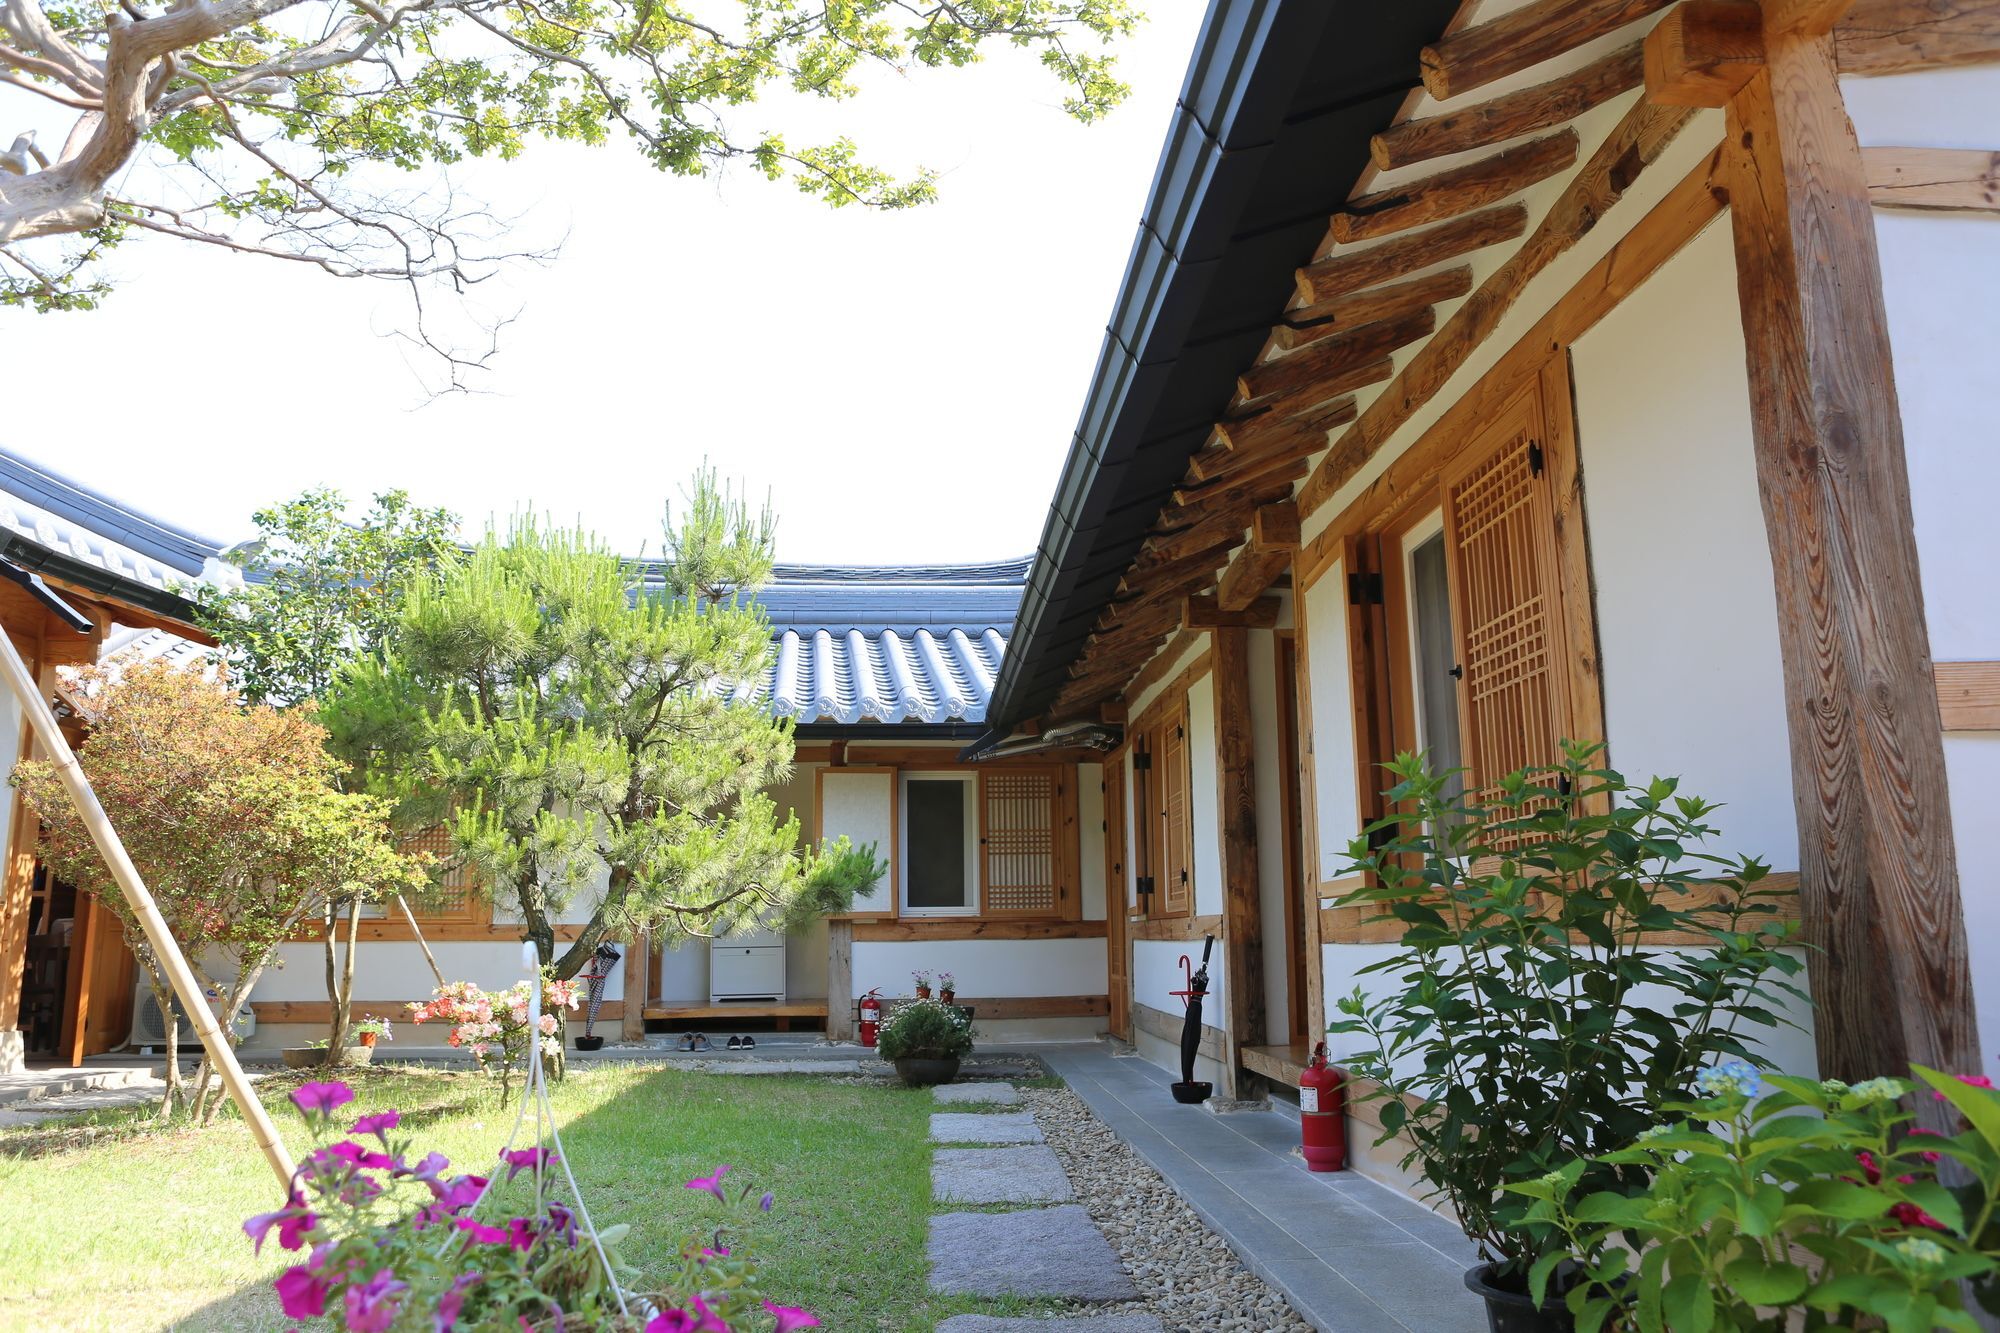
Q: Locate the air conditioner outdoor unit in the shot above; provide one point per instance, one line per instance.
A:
(149, 1025)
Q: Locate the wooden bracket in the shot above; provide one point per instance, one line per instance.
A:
(1703, 52)
(1201, 611)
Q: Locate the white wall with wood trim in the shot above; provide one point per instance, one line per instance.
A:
(1687, 617)
(1330, 747)
(1271, 886)
(1090, 839)
(1204, 800)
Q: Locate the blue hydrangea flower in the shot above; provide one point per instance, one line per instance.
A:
(1736, 1078)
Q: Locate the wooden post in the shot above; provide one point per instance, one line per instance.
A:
(1242, 902)
(165, 950)
(1879, 884)
(632, 1025)
(17, 878)
(839, 979)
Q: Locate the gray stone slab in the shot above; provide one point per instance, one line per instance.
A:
(991, 1094)
(999, 1175)
(1039, 1252)
(1004, 1127)
(1104, 1323)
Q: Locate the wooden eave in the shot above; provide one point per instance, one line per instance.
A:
(1503, 185)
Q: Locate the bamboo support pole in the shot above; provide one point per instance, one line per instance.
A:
(179, 975)
(418, 935)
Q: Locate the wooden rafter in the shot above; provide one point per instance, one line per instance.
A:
(1456, 192)
(1274, 536)
(1521, 39)
(1529, 111)
(1635, 142)
(1236, 447)
(1371, 305)
(1337, 274)
(1331, 357)
(1294, 406)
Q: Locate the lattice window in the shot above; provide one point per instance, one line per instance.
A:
(455, 896)
(1507, 607)
(1019, 831)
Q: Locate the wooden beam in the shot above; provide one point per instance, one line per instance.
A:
(1177, 575)
(1528, 111)
(1958, 180)
(1250, 449)
(1160, 667)
(1891, 981)
(1331, 275)
(1205, 612)
(1274, 536)
(905, 930)
(1639, 138)
(1968, 695)
(1244, 493)
(1338, 355)
(1803, 18)
(839, 979)
(1300, 406)
(1371, 305)
(1892, 36)
(1038, 1006)
(1521, 39)
(1453, 193)
(1275, 527)
(319, 1013)
(1173, 929)
(1702, 53)
(1236, 798)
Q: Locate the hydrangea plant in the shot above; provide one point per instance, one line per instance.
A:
(394, 1243)
(1784, 1203)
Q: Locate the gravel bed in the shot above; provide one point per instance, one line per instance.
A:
(1185, 1273)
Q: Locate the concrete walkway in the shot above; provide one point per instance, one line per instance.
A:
(1350, 1255)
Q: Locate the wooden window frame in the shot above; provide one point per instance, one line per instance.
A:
(1159, 850)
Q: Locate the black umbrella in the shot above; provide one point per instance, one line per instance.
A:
(1187, 1090)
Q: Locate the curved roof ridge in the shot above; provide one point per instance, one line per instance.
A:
(107, 518)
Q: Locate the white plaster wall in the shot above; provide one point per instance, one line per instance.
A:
(1090, 780)
(1141, 702)
(1271, 887)
(1204, 798)
(1329, 745)
(989, 968)
(1972, 765)
(1156, 972)
(860, 805)
(1687, 617)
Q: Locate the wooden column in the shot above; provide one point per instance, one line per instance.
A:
(1307, 887)
(1879, 879)
(839, 979)
(1242, 904)
(638, 958)
(17, 874)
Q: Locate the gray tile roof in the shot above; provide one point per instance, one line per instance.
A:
(72, 520)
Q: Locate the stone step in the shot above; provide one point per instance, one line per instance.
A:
(989, 1094)
(1003, 1127)
(1049, 1252)
(999, 1175)
(1104, 1323)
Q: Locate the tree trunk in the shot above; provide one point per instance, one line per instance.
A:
(340, 980)
(239, 994)
(163, 995)
(593, 932)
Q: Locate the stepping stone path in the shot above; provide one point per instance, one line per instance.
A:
(999, 1175)
(1054, 1252)
(1004, 1127)
(989, 1094)
(1038, 1252)
(1104, 1323)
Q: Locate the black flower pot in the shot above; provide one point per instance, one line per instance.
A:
(1510, 1311)
(920, 1072)
(589, 1043)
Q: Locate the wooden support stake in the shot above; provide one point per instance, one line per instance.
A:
(1879, 873)
(166, 951)
(1526, 112)
(1242, 903)
(638, 975)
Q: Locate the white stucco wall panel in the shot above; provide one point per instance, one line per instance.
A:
(861, 805)
(1204, 798)
(1972, 765)
(1090, 780)
(985, 968)
(1687, 617)
(1329, 746)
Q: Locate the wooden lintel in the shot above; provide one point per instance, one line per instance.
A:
(1893, 36)
(1957, 180)
(1460, 190)
(1338, 273)
(1879, 884)
(1701, 53)
(1204, 612)
(1528, 111)
(1803, 18)
(1522, 38)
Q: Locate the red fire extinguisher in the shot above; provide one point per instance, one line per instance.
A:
(871, 1017)
(1322, 1112)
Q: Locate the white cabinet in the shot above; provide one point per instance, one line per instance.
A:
(745, 967)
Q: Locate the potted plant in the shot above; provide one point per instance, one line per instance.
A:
(1759, 1172)
(922, 980)
(316, 1053)
(925, 1040)
(947, 987)
(1527, 1017)
(372, 1029)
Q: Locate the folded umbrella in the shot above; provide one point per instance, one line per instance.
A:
(1191, 1032)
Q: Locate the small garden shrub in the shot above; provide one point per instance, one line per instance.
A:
(925, 1030)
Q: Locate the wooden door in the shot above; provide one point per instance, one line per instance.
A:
(1117, 948)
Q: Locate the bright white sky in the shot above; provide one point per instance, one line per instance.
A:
(904, 386)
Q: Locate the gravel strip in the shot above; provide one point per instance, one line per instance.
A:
(1185, 1273)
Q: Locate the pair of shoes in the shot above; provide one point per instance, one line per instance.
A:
(700, 1043)
(742, 1043)
(686, 1043)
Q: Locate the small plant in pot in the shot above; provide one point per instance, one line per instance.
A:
(922, 981)
(371, 1030)
(947, 987)
(925, 1040)
(1530, 1015)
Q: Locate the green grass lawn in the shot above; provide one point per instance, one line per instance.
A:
(124, 1226)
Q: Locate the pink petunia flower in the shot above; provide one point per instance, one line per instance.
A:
(378, 1124)
(449, 1304)
(347, 1150)
(713, 1184)
(521, 1234)
(790, 1317)
(700, 1319)
(292, 1225)
(372, 1306)
(480, 1232)
(526, 1159)
(1970, 1081)
(322, 1098)
(300, 1294)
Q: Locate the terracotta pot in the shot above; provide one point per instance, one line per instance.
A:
(923, 992)
(947, 996)
(366, 1038)
(919, 1072)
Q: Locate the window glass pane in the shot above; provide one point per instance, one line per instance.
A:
(935, 868)
(1437, 693)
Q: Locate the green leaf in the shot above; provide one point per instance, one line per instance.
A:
(1689, 1304)
(1763, 1283)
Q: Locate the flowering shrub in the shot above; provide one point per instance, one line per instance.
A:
(925, 1030)
(396, 1245)
(1764, 1170)
(493, 1025)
